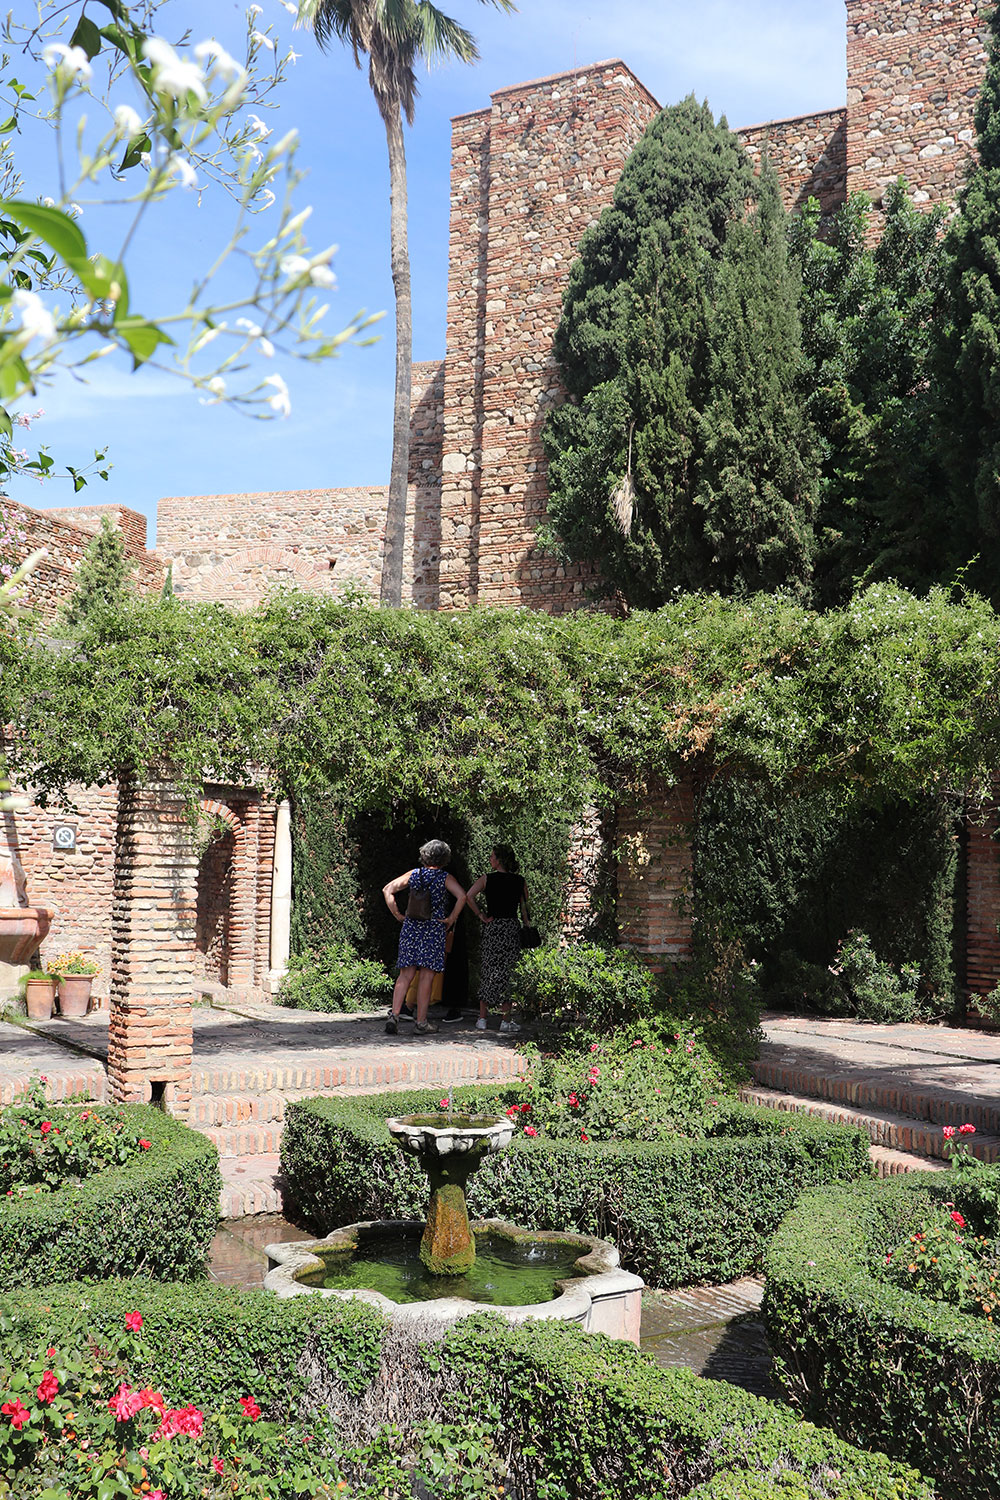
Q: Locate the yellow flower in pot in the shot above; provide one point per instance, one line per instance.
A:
(75, 973)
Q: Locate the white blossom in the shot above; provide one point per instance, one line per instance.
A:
(322, 276)
(267, 198)
(36, 320)
(258, 127)
(171, 74)
(293, 266)
(292, 9)
(266, 348)
(186, 174)
(74, 210)
(262, 40)
(214, 57)
(280, 402)
(71, 62)
(296, 222)
(127, 122)
(217, 386)
(293, 57)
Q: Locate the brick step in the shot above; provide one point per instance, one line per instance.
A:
(888, 1163)
(398, 1071)
(88, 1083)
(860, 1090)
(239, 1109)
(899, 1132)
(250, 1185)
(244, 1140)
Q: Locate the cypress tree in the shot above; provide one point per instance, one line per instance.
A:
(967, 357)
(102, 582)
(682, 458)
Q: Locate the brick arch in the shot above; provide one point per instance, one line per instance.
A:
(263, 556)
(213, 809)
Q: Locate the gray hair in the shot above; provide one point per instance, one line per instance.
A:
(435, 852)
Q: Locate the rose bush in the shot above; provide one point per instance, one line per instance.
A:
(45, 1146)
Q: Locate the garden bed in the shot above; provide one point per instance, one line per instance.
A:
(882, 1365)
(152, 1215)
(681, 1211)
(543, 1409)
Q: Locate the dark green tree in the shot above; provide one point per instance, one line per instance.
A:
(867, 310)
(103, 580)
(682, 459)
(967, 354)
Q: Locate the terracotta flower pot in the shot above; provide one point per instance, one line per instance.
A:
(74, 994)
(40, 998)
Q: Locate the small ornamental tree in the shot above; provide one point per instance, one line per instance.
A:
(682, 459)
(967, 354)
(103, 580)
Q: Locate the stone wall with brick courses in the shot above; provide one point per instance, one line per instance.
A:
(528, 177)
(809, 154)
(914, 68)
(655, 873)
(75, 884)
(588, 860)
(213, 909)
(153, 927)
(54, 579)
(130, 523)
(982, 945)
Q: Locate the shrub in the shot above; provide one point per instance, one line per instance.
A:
(542, 1408)
(857, 983)
(596, 989)
(44, 1146)
(680, 1210)
(151, 1215)
(882, 1365)
(333, 978)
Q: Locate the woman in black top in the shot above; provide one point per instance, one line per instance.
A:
(506, 897)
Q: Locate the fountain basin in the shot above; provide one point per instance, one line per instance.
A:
(587, 1286)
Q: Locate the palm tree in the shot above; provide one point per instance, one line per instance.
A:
(394, 35)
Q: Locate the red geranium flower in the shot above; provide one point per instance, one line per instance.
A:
(525, 1108)
(125, 1404)
(50, 1353)
(153, 1400)
(967, 1130)
(948, 1131)
(530, 1130)
(45, 1126)
(48, 1387)
(144, 1145)
(250, 1408)
(133, 1321)
(218, 1465)
(18, 1414)
(584, 1136)
(957, 1217)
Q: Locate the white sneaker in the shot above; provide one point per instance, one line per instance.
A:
(509, 1028)
(481, 1024)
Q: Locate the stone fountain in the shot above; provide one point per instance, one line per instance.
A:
(445, 1268)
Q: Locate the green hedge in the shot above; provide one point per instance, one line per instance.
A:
(882, 1365)
(582, 1417)
(153, 1217)
(680, 1211)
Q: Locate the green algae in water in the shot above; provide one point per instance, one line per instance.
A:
(506, 1273)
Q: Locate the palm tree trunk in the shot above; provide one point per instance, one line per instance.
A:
(391, 591)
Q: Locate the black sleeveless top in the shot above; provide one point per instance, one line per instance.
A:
(503, 893)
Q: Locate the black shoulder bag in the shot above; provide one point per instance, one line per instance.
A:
(418, 907)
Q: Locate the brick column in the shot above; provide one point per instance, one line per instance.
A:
(152, 947)
(244, 899)
(266, 819)
(983, 903)
(654, 873)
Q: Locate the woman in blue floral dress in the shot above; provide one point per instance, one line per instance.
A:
(422, 940)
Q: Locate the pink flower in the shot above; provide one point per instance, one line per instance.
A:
(948, 1132)
(18, 1414)
(530, 1130)
(957, 1217)
(45, 1127)
(125, 1404)
(133, 1321)
(156, 1495)
(513, 1112)
(50, 1353)
(144, 1145)
(574, 1102)
(153, 1400)
(967, 1130)
(189, 1421)
(593, 1046)
(443, 1103)
(250, 1408)
(48, 1387)
(218, 1465)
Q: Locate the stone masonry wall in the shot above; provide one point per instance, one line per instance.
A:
(233, 548)
(809, 154)
(655, 873)
(64, 535)
(914, 68)
(528, 177)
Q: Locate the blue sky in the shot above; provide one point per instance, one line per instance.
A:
(752, 59)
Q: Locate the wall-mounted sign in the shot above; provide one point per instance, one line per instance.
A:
(64, 836)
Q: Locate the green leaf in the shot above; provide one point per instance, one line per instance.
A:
(15, 377)
(133, 152)
(53, 226)
(86, 36)
(6, 425)
(142, 338)
(8, 125)
(100, 276)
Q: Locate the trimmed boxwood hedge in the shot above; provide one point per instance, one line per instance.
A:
(883, 1366)
(680, 1211)
(154, 1216)
(581, 1416)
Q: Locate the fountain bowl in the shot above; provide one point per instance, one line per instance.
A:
(432, 1137)
(596, 1294)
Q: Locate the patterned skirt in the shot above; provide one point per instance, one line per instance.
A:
(422, 945)
(501, 951)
